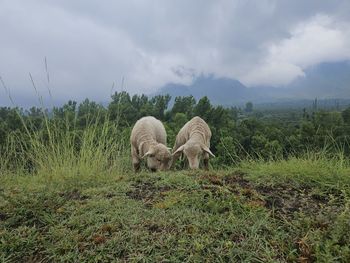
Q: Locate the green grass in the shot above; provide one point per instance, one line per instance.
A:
(295, 210)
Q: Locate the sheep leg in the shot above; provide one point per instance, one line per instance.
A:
(175, 157)
(206, 161)
(186, 164)
(135, 159)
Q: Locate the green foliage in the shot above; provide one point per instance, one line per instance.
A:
(160, 103)
(237, 134)
(203, 108)
(346, 115)
(249, 106)
(184, 105)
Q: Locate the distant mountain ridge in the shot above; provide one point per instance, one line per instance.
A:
(219, 90)
(326, 80)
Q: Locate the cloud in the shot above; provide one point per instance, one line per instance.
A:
(319, 39)
(89, 45)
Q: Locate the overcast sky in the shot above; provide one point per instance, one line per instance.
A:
(89, 45)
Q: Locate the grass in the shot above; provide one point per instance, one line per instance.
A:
(295, 210)
(63, 203)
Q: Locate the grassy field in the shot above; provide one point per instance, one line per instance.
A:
(70, 196)
(281, 211)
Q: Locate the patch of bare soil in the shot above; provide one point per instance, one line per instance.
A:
(147, 192)
(110, 195)
(284, 199)
(232, 179)
(287, 200)
(153, 228)
(234, 182)
(3, 216)
(73, 195)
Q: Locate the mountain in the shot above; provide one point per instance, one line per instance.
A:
(324, 81)
(222, 91)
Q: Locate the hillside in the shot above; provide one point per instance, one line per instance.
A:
(223, 91)
(296, 210)
(324, 81)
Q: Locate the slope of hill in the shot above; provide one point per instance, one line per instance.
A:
(326, 80)
(285, 211)
(222, 91)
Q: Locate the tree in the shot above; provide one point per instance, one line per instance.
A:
(160, 104)
(327, 120)
(89, 112)
(203, 108)
(346, 115)
(184, 105)
(179, 120)
(249, 106)
(122, 110)
(233, 113)
(66, 113)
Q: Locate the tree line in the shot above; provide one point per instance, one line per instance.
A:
(237, 133)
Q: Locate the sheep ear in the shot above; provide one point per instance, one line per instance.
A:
(178, 150)
(150, 152)
(206, 149)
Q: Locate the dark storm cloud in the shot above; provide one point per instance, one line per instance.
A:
(91, 44)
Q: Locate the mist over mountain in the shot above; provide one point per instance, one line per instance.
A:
(324, 81)
(220, 90)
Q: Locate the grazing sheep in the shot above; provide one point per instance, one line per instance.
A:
(148, 139)
(194, 141)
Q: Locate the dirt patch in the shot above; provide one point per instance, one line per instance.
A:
(98, 239)
(152, 228)
(109, 195)
(227, 180)
(237, 238)
(3, 216)
(234, 182)
(73, 195)
(304, 249)
(237, 179)
(155, 228)
(284, 199)
(147, 192)
(33, 258)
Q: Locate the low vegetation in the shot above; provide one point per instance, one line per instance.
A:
(68, 193)
(256, 212)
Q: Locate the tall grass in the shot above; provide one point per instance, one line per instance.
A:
(60, 149)
(324, 168)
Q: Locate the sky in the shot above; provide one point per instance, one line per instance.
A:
(80, 49)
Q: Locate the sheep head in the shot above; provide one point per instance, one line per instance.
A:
(193, 152)
(158, 157)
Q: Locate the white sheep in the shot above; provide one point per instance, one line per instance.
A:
(193, 140)
(148, 139)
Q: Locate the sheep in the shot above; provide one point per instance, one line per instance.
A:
(148, 139)
(193, 140)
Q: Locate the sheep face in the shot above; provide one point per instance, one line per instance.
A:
(193, 153)
(158, 158)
